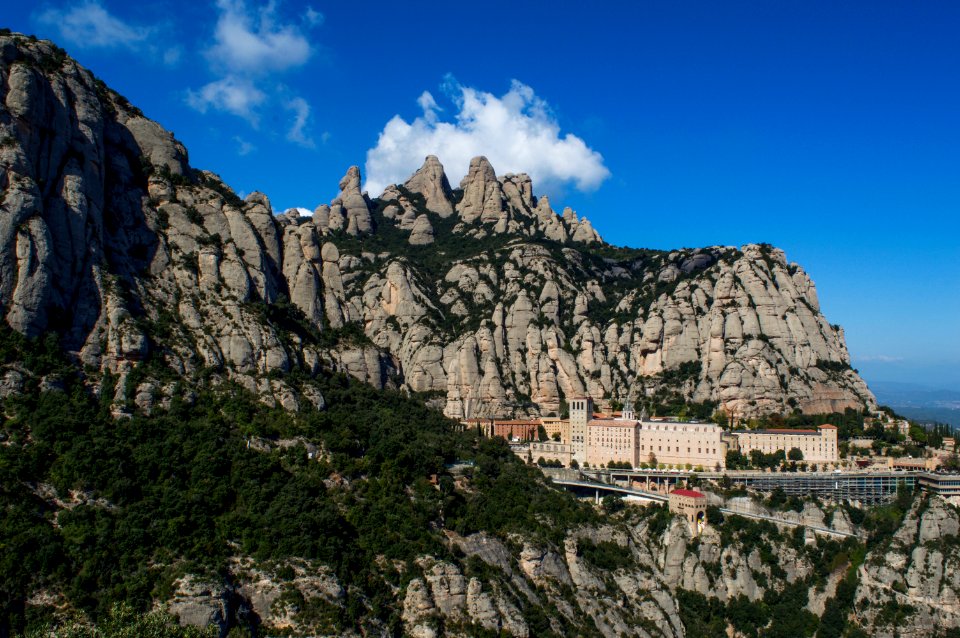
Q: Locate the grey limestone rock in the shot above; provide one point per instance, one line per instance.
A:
(431, 182)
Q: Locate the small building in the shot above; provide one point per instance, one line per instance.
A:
(554, 425)
(515, 430)
(908, 464)
(692, 506)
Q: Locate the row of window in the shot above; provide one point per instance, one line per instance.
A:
(677, 449)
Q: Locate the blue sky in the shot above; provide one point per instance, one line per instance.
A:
(830, 129)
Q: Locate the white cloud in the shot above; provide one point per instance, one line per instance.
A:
(301, 114)
(246, 43)
(517, 132)
(250, 50)
(89, 24)
(231, 94)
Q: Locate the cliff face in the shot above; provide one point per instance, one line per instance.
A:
(910, 588)
(483, 296)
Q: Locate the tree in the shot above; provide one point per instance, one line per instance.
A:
(714, 515)
(612, 503)
(542, 434)
(736, 460)
(574, 465)
(795, 454)
(556, 437)
(952, 463)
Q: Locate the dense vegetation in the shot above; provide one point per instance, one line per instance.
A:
(101, 510)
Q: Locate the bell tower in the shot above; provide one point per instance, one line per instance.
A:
(581, 411)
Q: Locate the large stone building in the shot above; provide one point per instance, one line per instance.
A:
(817, 446)
(682, 444)
(595, 440)
(611, 440)
(600, 441)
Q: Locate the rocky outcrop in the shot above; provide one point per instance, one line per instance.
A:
(911, 587)
(484, 295)
(431, 182)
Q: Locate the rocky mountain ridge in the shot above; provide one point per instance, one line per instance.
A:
(482, 297)
(659, 574)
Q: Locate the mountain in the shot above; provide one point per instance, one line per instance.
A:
(214, 456)
(482, 297)
(916, 395)
(921, 403)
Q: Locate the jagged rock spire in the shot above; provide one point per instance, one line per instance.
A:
(482, 194)
(350, 209)
(431, 182)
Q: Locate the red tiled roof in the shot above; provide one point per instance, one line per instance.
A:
(827, 426)
(691, 493)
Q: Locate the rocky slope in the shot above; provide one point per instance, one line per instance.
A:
(483, 295)
(641, 575)
(912, 586)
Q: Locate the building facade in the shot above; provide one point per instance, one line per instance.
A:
(509, 429)
(681, 444)
(555, 426)
(817, 446)
(611, 440)
(516, 430)
(551, 451)
(692, 506)
(599, 441)
(581, 411)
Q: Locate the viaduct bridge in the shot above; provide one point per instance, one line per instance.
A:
(588, 487)
(864, 487)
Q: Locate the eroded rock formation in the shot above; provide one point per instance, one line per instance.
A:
(482, 295)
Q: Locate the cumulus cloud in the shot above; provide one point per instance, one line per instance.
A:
(250, 49)
(256, 43)
(517, 132)
(231, 94)
(90, 25)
